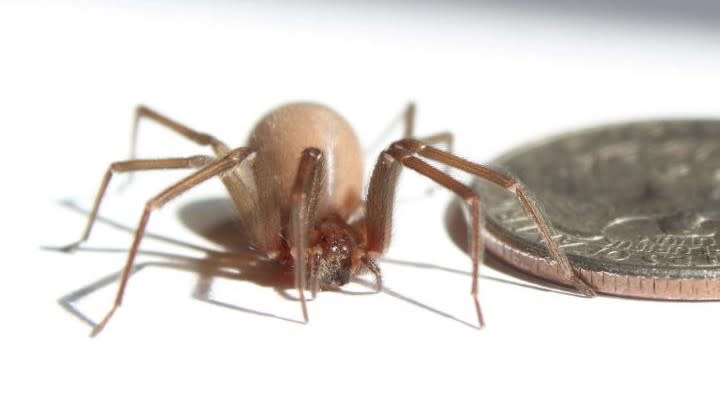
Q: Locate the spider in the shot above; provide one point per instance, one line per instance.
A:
(297, 187)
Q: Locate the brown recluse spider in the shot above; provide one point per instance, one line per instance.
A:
(298, 184)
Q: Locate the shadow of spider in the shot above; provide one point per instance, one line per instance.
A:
(214, 220)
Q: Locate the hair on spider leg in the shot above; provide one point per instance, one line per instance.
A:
(299, 180)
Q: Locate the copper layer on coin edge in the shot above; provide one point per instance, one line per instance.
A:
(537, 264)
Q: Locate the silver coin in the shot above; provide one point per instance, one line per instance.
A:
(636, 207)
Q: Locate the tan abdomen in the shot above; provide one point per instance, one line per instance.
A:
(282, 135)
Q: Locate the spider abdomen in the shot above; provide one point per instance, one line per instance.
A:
(279, 139)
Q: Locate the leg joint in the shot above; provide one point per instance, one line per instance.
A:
(153, 204)
(141, 109)
(471, 198)
(205, 139)
(405, 148)
(239, 154)
(199, 160)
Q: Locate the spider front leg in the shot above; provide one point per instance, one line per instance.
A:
(407, 153)
(380, 201)
(526, 200)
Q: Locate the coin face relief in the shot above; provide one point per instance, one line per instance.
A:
(635, 206)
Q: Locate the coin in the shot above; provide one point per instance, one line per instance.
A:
(635, 206)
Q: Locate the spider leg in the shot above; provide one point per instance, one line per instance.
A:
(375, 270)
(446, 137)
(132, 166)
(524, 197)
(416, 148)
(314, 280)
(407, 152)
(409, 120)
(253, 189)
(380, 201)
(305, 195)
(215, 168)
(200, 138)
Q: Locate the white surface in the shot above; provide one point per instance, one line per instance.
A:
(70, 76)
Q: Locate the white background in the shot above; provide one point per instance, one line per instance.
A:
(70, 74)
